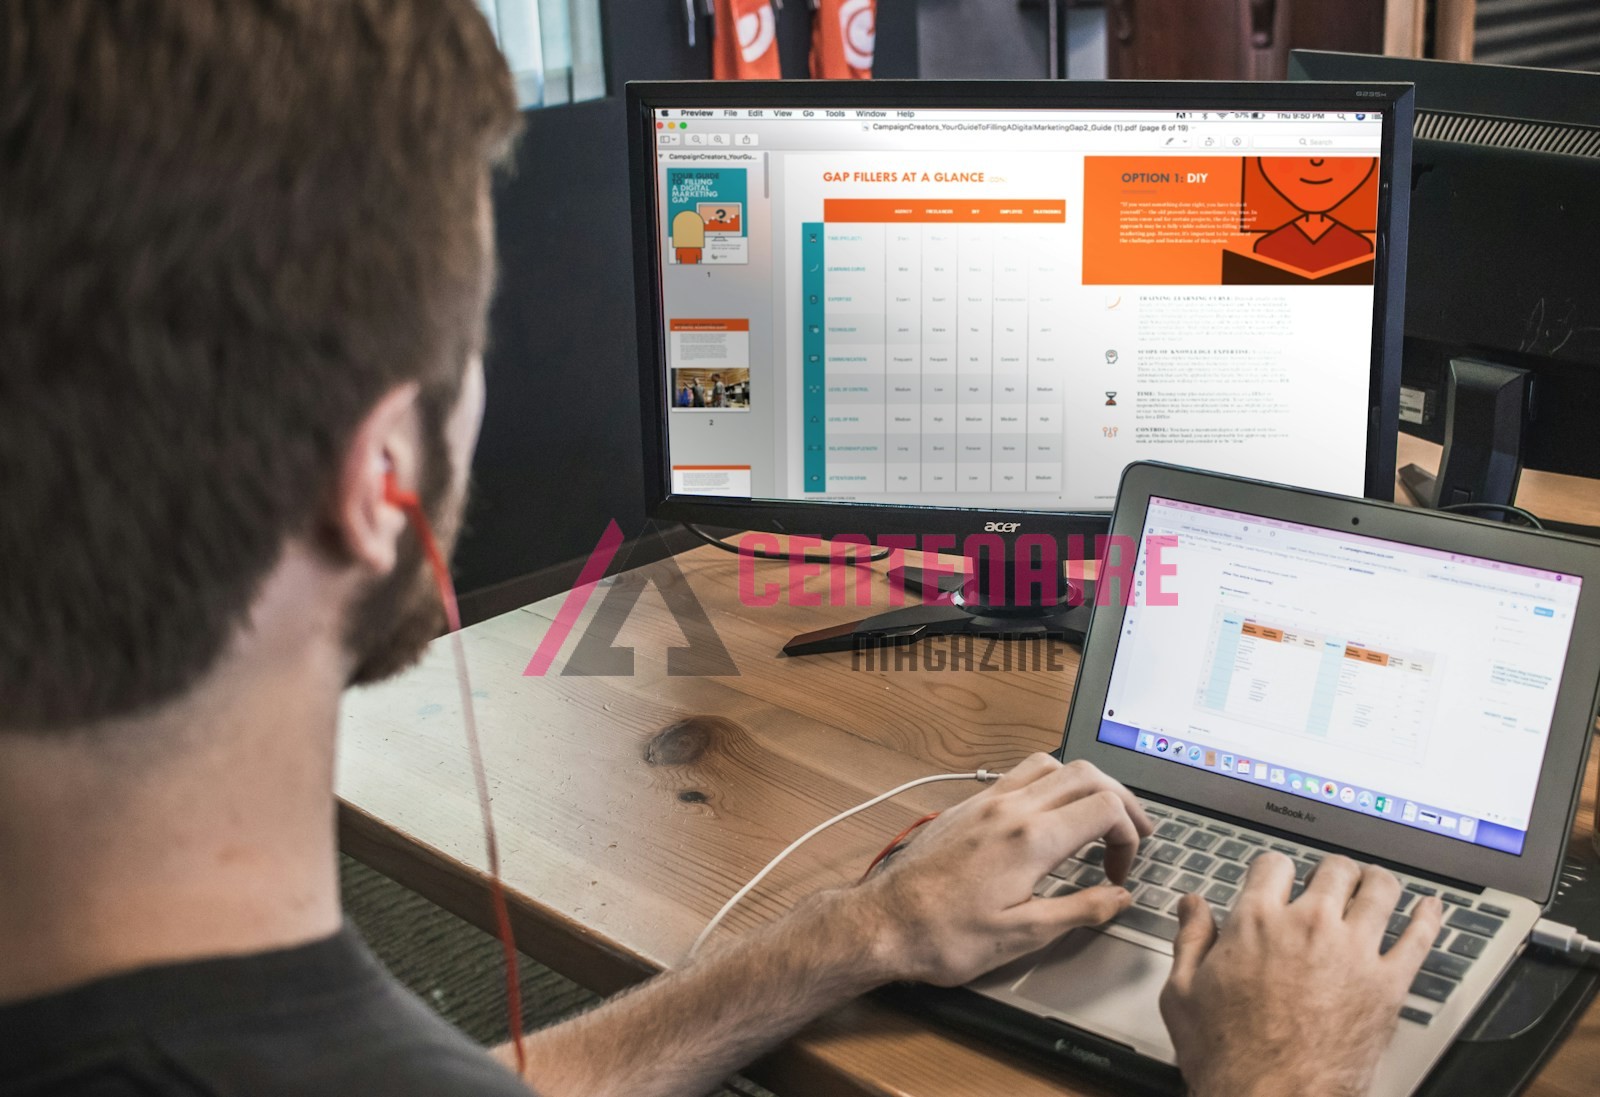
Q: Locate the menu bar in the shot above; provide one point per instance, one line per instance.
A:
(856, 114)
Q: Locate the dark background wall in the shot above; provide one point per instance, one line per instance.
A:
(559, 455)
(1007, 39)
(993, 39)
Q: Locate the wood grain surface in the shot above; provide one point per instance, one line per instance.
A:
(630, 807)
(1546, 494)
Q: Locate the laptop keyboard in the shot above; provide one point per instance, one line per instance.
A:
(1189, 854)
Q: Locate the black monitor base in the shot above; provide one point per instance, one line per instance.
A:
(1066, 619)
(1419, 483)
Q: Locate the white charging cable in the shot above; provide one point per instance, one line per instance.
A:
(976, 775)
(1564, 939)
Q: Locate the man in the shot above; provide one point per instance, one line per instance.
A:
(243, 275)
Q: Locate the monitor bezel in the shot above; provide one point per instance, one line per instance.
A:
(1533, 873)
(1392, 101)
(1489, 91)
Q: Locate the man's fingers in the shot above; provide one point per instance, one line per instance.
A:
(1271, 876)
(1053, 836)
(1197, 932)
(1048, 919)
(1412, 948)
(1332, 882)
(1374, 898)
(1102, 814)
(1025, 772)
(1078, 779)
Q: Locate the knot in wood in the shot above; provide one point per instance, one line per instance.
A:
(688, 741)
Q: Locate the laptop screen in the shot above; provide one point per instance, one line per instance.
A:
(1405, 683)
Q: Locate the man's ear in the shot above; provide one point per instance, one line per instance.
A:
(366, 524)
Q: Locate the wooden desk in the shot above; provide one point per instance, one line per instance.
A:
(1546, 494)
(629, 808)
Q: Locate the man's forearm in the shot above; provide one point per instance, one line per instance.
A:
(680, 1033)
(957, 903)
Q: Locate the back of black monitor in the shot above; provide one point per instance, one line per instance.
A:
(1503, 299)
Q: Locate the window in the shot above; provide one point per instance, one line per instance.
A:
(553, 47)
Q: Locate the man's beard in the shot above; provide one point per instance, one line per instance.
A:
(391, 625)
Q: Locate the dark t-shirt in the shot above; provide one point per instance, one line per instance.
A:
(323, 1020)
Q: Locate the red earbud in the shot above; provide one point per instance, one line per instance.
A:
(398, 496)
(411, 506)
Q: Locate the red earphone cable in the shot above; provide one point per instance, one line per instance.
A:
(412, 507)
(883, 854)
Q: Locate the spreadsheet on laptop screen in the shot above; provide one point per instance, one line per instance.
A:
(959, 307)
(1401, 682)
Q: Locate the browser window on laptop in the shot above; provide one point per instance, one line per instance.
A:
(1325, 666)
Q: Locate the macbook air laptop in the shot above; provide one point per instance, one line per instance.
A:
(1280, 669)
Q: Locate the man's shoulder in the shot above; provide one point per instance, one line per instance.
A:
(328, 1022)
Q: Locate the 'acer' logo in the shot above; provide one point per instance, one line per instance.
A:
(1001, 527)
(1293, 813)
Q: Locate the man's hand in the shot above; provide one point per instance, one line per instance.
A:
(1292, 997)
(958, 901)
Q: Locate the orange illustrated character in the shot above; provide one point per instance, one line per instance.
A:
(1315, 186)
(688, 236)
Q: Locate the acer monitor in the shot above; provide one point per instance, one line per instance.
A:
(957, 310)
(1501, 359)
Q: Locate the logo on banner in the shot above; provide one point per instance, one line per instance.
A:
(859, 31)
(757, 29)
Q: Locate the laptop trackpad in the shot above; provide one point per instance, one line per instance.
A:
(1104, 984)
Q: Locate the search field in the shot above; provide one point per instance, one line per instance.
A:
(1368, 145)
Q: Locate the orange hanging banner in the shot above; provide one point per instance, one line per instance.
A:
(744, 42)
(843, 33)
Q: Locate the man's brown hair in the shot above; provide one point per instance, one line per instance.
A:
(227, 227)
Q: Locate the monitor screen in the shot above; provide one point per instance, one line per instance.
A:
(1401, 682)
(1000, 308)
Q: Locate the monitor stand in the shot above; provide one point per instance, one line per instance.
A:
(952, 609)
(1486, 411)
